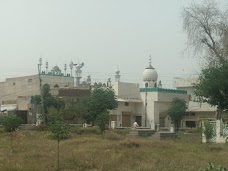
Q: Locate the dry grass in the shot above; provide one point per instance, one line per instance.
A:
(33, 151)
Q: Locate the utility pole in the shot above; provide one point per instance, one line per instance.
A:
(146, 85)
(41, 91)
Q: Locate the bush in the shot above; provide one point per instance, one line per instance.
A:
(212, 167)
(208, 130)
(11, 123)
(86, 131)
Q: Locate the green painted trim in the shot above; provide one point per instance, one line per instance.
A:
(57, 75)
(163, 90)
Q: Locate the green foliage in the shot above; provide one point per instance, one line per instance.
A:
(208, 129)
(36, 99)
(213, 85)
(54, 115)
(177, 111)
(59, 130)
(86, 131)
(212, 167)
(102, 119)
(49, 102)
(101, 100)
(74, 109)
(11, 123)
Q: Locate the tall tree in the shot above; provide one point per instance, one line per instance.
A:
(207, 30)
(177, 111)
(49, 101)
(100, 102)
(213, 86)
(75, 109)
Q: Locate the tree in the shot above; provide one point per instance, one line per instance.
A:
(11, 124)
(60, 131)
(102, 120)
(49, 101)
(75, 109)
(207, 30)
(177, 111)
(212, 86)
(100, 102)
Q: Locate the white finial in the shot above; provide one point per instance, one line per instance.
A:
(150, 61)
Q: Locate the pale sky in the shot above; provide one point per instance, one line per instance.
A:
(103, 34)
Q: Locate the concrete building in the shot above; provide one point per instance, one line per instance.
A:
(15, 93)
(147, 105)
(30, 85)
(196, 109)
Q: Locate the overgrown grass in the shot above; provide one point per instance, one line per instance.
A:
(34, 151)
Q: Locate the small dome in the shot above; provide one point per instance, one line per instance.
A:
(150, 75)
(56, 69)
(117, 72)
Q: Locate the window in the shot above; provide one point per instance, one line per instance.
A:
(190, 124)
(126, 103)
(14, 83)
(29, 80)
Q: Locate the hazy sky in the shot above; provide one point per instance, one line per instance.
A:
(103, 34)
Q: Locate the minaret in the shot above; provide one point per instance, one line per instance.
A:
(78, 73)
(88, 80)
(117, 75)
(46, 67)
(71, 67)
(109, 83)
(65, 68)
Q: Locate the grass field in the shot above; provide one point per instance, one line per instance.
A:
(34, 151)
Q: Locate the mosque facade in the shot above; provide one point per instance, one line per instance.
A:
(147, 105)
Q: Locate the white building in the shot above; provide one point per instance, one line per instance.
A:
(147, 105)
(196, 110)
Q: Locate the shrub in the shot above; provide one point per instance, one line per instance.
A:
(212, 167)
(86, 131)
(208, 130)
(11, 123)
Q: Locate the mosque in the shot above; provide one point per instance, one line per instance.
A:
(147, 105)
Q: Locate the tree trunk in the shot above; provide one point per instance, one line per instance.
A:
(58, 156)
(11, 142)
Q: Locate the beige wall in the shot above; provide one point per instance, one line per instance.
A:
(126, 90)
(29, 85)
(158, 102)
